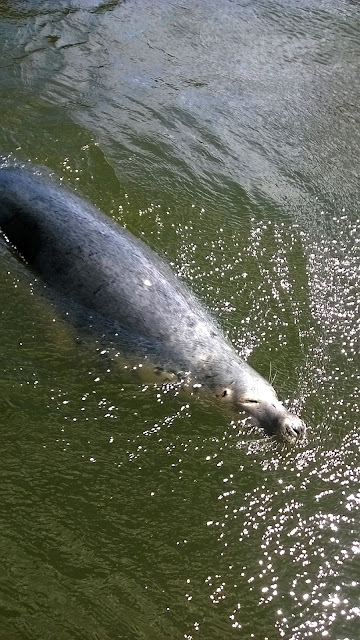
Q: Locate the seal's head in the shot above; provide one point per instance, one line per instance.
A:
(267, 411)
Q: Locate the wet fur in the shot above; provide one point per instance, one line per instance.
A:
(85, 255)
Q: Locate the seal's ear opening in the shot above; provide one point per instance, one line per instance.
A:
(226, 393)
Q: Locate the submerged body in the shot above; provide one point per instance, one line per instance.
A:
(85, 255)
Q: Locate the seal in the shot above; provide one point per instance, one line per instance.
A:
(82, 253)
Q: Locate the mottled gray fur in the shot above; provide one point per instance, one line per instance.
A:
(85, 255)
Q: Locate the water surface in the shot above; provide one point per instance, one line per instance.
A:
(226, 135)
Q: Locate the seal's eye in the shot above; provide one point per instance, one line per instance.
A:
(224, 393)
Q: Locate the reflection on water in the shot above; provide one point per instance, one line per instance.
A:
(226, 136)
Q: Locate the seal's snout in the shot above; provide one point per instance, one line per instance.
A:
(271, 414)
(291, 427)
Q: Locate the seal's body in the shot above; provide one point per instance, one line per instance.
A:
(85, 255)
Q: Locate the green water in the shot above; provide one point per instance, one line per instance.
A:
(226, 135)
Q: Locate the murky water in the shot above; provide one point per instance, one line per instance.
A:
(225, 134)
